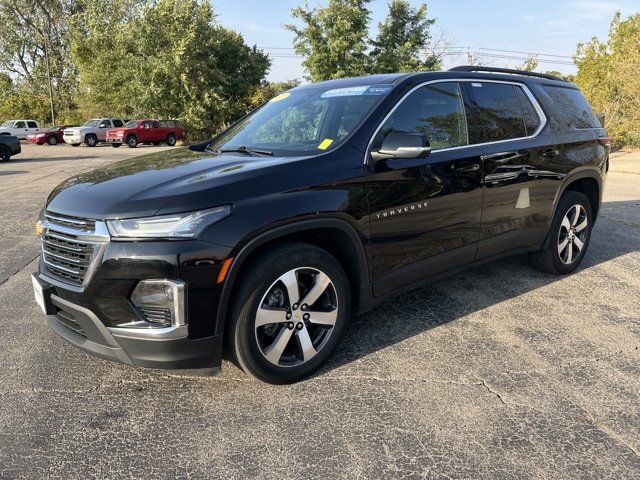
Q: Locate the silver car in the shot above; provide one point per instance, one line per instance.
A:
(92, 131)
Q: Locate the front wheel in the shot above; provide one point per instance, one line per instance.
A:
(132, 141)
(91, 140)
(289, 313)
(569, 235)
(5, 154)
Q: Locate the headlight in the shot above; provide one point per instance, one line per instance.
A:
(178, 225)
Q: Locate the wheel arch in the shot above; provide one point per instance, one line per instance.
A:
(585, 181)
(336, 236)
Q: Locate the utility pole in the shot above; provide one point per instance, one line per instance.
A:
(46, 56)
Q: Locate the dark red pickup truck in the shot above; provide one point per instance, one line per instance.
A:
(145, 131)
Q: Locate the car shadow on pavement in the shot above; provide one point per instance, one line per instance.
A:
(433, 305)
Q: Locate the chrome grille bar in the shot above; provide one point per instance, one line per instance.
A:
(70, 245)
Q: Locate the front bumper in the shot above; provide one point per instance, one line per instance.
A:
(165, 348)
(115, 139)
(75, 138)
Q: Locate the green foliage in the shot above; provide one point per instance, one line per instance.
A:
(335, 39)
(530, 64)
(402, 40)
(164, 58)
(32, 29)
(609, 76)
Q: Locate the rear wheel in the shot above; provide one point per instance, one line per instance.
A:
(132, 141)
(5, 153)
(569, 235)
(91, 140)
(289, 313)
(171, 139)
(52, 140)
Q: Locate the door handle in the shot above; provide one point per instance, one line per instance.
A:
(502, 157)
(551, 153)
(469, 168)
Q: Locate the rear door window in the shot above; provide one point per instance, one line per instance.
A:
(117, 123)
(32, 124)
(435, 111)
(571, 108)
(496, 108)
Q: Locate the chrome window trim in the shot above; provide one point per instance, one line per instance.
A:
(541, 115)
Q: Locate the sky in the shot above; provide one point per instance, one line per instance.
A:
(497, 30)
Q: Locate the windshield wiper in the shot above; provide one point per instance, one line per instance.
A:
(243, 149)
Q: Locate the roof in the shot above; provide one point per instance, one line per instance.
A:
(456, 72)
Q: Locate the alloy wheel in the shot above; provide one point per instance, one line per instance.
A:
(572, 234)
(296, 317)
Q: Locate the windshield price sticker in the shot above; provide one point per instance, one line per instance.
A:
(354, 91)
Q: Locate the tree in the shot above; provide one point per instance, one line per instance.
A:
(609, 76)
(403, 39)
(530, 64)
(334, 39)
(33, 30)
(165, 58)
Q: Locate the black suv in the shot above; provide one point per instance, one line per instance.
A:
(331, 197)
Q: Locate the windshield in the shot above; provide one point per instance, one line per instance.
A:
(132, 124)
(311, 120)
(91, 123)
(7, 124)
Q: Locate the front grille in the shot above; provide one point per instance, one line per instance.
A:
(70, 322)
(157, 315)
(66, 252)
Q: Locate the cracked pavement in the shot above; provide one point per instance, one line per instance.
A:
(498, 372)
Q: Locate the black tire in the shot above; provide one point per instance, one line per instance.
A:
(555, 259)
(116, 145)
(254, 287)
(132, 141)
(75, 144)
(171, 139)
(5, 154)
(52, 140)
(91, 140)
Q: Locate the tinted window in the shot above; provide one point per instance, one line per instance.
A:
(572, 108)
(32, 124)
(155, 124)
(117, 123)
(531, 119)
(435, 111)
(20, 125)
(498, 111)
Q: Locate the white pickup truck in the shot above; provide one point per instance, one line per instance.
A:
(91, 132)
(19, 128)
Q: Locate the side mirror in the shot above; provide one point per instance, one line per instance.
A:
(402, 145)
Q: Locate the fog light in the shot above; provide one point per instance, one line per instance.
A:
(161, 302)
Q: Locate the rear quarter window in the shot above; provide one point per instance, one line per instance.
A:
(570, 108)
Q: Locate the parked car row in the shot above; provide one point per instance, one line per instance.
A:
(116, 131)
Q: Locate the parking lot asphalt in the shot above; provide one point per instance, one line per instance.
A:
(498, 372)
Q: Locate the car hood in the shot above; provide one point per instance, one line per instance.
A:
(164, 182)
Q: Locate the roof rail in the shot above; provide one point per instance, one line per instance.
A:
(476, 68)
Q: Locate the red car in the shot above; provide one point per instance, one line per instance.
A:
(145, 131)
(52, 135)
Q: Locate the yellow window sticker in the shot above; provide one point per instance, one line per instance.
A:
(324, 144)
(277, 98)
